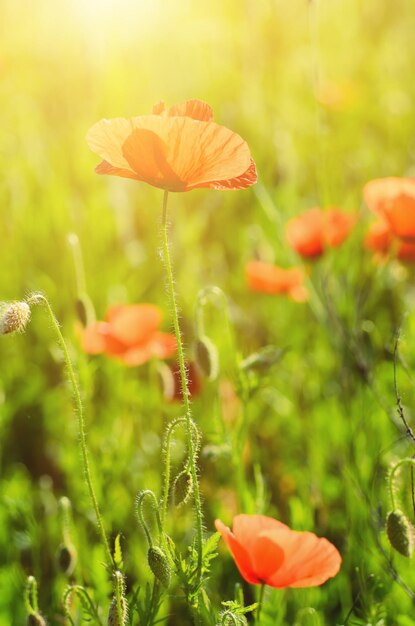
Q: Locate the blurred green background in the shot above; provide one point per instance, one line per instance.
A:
(323, 92)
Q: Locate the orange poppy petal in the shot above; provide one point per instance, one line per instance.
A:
(137, 355)
(267, 557)
(243, 181)
(197, 152)
(98, 338)
(311, 232)
(134, 323)
(268, 278)
(196, 109)
(239, 553)
(309, 560)
(305, 233)
(394, 199)
(93, 337)
(378, 237)
(146, 154)
(106, 139)
(162, 345)
(105, 168)
(173, 152)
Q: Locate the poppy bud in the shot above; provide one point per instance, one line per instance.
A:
(113, 613)
(207, 358)
(35, 619)
(159, 565)
(66, 558)
(14, 317)
(262, 360)
(400, 532)
(182, 488)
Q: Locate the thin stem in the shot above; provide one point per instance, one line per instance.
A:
(185, 390)
(37, 299)
(260, 602)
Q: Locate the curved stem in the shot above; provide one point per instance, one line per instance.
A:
(139, 509)
(391, 479)
(167, 461)
(185, 390)
(37, 299)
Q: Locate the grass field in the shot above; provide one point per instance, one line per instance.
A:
(300, 422)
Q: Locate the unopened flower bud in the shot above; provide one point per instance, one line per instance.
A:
(14, 317)
(400, 533)
(207, 358)
(66, 558)
(35, 619)
(182, 488)
(113, 619)
(159, 565)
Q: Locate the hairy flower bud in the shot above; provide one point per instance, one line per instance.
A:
(182, 488)
(159, 565)
(400, 533)
(14, 317)
(113, 613)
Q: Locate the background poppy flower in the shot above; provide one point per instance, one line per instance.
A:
(380, 239)
(393, 199)
(313, 231)
(269, 552)
(268, 278)
(177, 149)
(131, 334)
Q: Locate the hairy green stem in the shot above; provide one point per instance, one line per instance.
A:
(40, 299)
(185, 390)
(139, 510)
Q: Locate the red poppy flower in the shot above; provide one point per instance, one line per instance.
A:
(177, 149)
(130, 334)
(393, 199)
(268, 278)
(380, 239)
(315, 230)
(269, 552)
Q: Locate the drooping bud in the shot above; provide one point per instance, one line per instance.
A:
(262, 360)
(207, 358)
(66, 558)
(14, 317)
(182, 488)
(159, 565)
(400, 533)
(35, 619)
(113, 619)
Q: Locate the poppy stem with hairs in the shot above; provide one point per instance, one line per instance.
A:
(40, 299)
(185, 389)
(260, 602)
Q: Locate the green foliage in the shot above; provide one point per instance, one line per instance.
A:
(299, 420)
